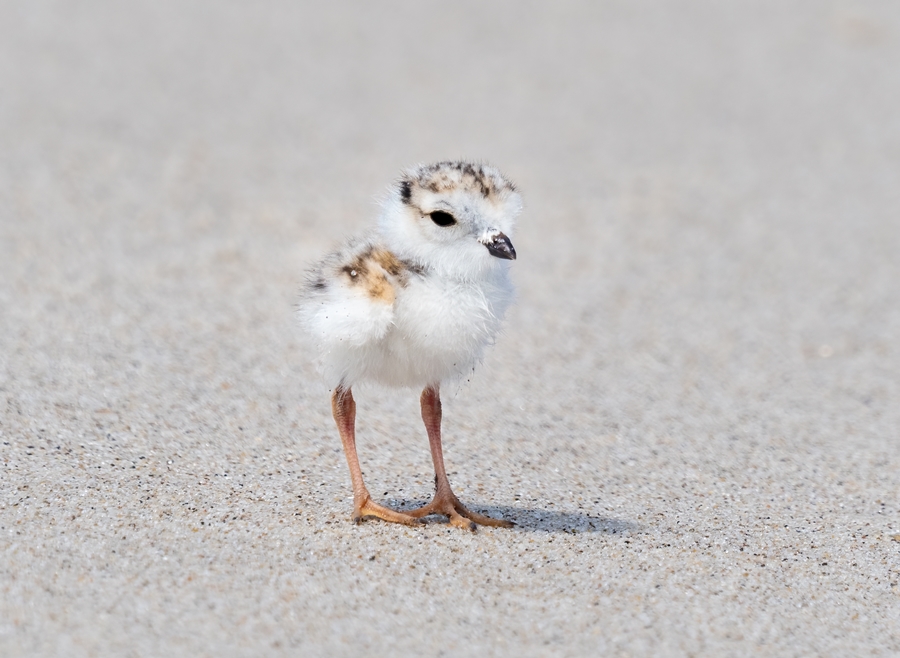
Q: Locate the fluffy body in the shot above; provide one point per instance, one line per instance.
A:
(415, 302)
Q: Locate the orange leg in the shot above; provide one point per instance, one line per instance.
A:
(344, 409)
(445, 501)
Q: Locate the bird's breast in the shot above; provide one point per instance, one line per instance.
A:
(450, 317)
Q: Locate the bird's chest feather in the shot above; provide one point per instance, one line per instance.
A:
(449, 316)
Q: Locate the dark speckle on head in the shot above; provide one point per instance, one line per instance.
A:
(405, 191)
(444, 176)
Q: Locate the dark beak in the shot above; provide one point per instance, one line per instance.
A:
(501, 247)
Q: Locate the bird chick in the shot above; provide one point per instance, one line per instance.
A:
(413, 304)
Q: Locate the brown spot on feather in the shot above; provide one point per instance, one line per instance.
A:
(378, 287)
(388, 261)
(356, 270)
(371, 269)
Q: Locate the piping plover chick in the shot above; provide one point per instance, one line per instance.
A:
(413, 304)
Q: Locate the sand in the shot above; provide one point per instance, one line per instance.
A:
(693, 414)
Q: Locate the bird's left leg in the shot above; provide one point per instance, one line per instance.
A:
(445, 501)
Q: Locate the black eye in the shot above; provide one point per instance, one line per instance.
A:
(442, 218)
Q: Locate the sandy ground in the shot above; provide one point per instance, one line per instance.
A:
(694, 412)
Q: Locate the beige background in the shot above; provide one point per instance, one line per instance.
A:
(693, 413)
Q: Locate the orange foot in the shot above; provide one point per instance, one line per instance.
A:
(445, 502)
(366, 508)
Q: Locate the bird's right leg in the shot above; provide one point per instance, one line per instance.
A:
(343, 407)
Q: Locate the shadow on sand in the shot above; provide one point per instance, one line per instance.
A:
(538, 520)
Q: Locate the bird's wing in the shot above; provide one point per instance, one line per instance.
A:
(349, 297)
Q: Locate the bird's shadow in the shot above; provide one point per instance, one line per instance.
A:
(531, 519)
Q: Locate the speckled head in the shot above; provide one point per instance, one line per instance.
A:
(445, 214)
(443, 178)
